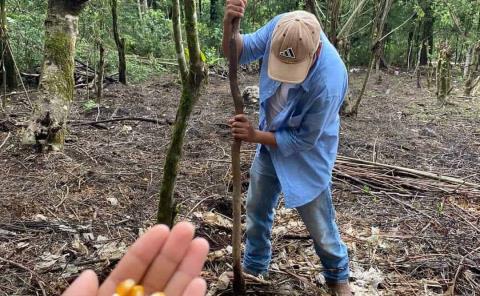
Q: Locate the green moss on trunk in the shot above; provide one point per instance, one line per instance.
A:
(47, 127)
(190, 93)
(59, 51)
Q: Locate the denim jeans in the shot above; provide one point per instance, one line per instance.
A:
(318, 216)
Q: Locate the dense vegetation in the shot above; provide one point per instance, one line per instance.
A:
(150, 46)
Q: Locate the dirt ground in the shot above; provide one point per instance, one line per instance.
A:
(67, 211)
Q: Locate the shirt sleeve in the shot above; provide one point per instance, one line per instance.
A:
(303, 138)
(255, 44)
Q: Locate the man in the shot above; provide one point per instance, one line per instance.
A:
(303, 82)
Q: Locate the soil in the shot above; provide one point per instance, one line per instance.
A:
(67, 211)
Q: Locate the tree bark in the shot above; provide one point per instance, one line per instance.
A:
(177, 36)
(473, 76)
(153, 4)
(101, 71)
(334, 15)
(343, 39)
(443, 75)
(120, 42)
(48, 123)
(427, 33)
(310, 6)
(8, 65)
(190, 93)
(213, 11)
(382, 8)
(238, 280)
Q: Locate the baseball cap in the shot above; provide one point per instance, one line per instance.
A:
(295, 40)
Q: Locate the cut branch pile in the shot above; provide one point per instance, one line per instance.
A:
(379, 177)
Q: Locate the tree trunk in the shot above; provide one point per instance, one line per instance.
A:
(101, 72)
(213, 11)
(382, 8)
(190, 93)
(334, 15)
(153, 4)
(48, 123)
(177, 36)
(427, 34)
(350, 107)
(8, 65)
(443, 74)
(120, 42)
(468, 60)
(473, 76)
(310, 6)
(343, 39)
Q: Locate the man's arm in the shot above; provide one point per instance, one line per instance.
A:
(233, 9)
(305, 137)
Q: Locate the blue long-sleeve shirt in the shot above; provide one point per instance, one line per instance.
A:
(307, 129)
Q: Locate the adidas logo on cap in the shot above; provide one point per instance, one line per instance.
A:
(288, 53)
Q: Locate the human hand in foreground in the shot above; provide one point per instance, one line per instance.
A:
(160, 260)
(242, 129)
(234, 9)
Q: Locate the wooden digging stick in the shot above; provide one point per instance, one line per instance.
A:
(238, 280)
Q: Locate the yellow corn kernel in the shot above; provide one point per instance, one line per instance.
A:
(123, 289)
(137, 291)
(158, 294)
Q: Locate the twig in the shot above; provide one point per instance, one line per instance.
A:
(37, 277)
(5, 141)
(157, 121)
(451, 289)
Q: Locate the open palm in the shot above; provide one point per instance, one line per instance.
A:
(160, 260)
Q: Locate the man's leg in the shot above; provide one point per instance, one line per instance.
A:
(319, 218)
(262, 198)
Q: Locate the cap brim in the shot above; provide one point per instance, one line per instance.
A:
(288, 73)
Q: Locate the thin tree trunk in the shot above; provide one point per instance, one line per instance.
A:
(213, 11)
(139, 9)
(120, 42)
(473, 76)
(47, 125)
(427, 33)
(101, 71)
(334, 15)
(238, 280)
(382, 8)
(10, 77)
(311, 7)
(468, 62)
(343, 39)
(190, 93)
(350, 108)
(418, 68)
(177, 36)
(443, 74)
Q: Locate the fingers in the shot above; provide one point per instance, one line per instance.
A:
(85, 285)
(235, 8)
(189, 269)
(137, 259)
(239, 120)
(197, 287)
(165, 264)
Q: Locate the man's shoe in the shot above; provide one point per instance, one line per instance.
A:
(339, 289)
